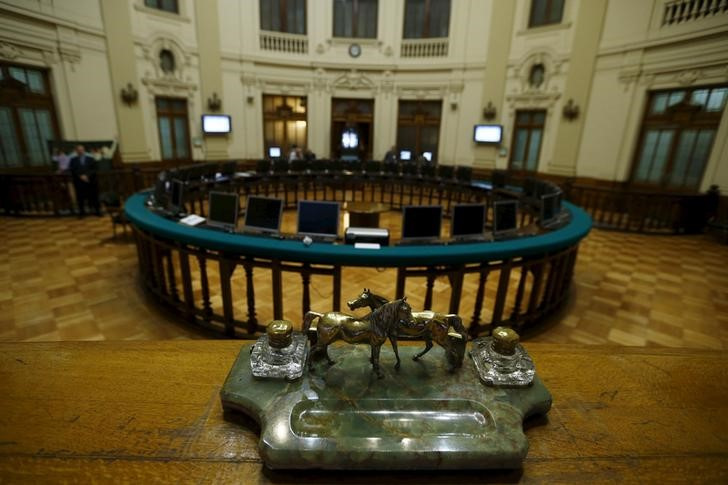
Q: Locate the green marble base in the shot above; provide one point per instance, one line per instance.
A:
(420, 417)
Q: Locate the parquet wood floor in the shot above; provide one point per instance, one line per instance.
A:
(67, 279)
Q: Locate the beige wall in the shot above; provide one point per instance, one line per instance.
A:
(608, 72)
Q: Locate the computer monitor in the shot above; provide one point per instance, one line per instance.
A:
(177, 199)
(274, 152)
(421, 222)
(529, 187)
(550, 208)
(318, 219)
(427, 156)
(161, 188)
(222, 210)
(405, 155)
(468, 221)
(499, 179)
(505, 216)
(263, 214)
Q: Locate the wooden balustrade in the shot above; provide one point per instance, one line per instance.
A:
(515, 290)
(631, 210)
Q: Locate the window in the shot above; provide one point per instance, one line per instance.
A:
(27, 116)
(545, 12)
(677, 135)
(527, 136)
(174, 138)
(283, 16)
(166, 5)
(418, 126)
(355, 18)
(426, 18)
(284, 121)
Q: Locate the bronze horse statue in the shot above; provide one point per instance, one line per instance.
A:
(427, 325)
(374, 329)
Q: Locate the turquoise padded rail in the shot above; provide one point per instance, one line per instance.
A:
(346, 255)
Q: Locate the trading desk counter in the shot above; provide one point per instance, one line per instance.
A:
(324, 253)
(544, 263)
(143, 412)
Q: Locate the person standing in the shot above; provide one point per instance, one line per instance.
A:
(83, 169)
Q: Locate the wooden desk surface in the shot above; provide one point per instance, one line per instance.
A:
(150, 411)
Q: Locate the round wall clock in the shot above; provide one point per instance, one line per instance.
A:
(354, 50)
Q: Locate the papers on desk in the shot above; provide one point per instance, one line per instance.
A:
(192, 220)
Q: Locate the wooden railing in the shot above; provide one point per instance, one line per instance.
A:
(425, 47)
(198, 283)
(625, 209)
(681, 11)
(281, 42)
(51, 194)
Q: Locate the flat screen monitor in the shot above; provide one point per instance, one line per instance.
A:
(223, 210)
(499, 179)
(263, 214)
(216, 124)
(318, 218)
(505, 216)
(161, 188)
(405, 155)
(550, 207)
(488, 133)
(468, 220)
(177, 200)
(274, 152)
(421, 222)
(427, 156)
(529, 187)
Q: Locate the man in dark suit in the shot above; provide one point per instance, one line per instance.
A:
(83, 169)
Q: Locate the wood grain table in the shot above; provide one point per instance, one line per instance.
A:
(142, 412)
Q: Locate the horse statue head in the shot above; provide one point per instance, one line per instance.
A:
(367, 298)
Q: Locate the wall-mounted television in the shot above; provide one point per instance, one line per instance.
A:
(216, 124)
(274, 152)
(488, 133)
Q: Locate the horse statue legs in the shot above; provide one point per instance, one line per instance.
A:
(374, 329)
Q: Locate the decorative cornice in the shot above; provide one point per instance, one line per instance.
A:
(9, 51)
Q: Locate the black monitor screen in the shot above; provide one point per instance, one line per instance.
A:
(274, 152)
(529, 187)
(405, 155)
(223, 210)
(550, 207)
(177, 199)
(263, 214)
(421, 222)
(468, 220)
(318, 218)
(499, 179)
(505, 215)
